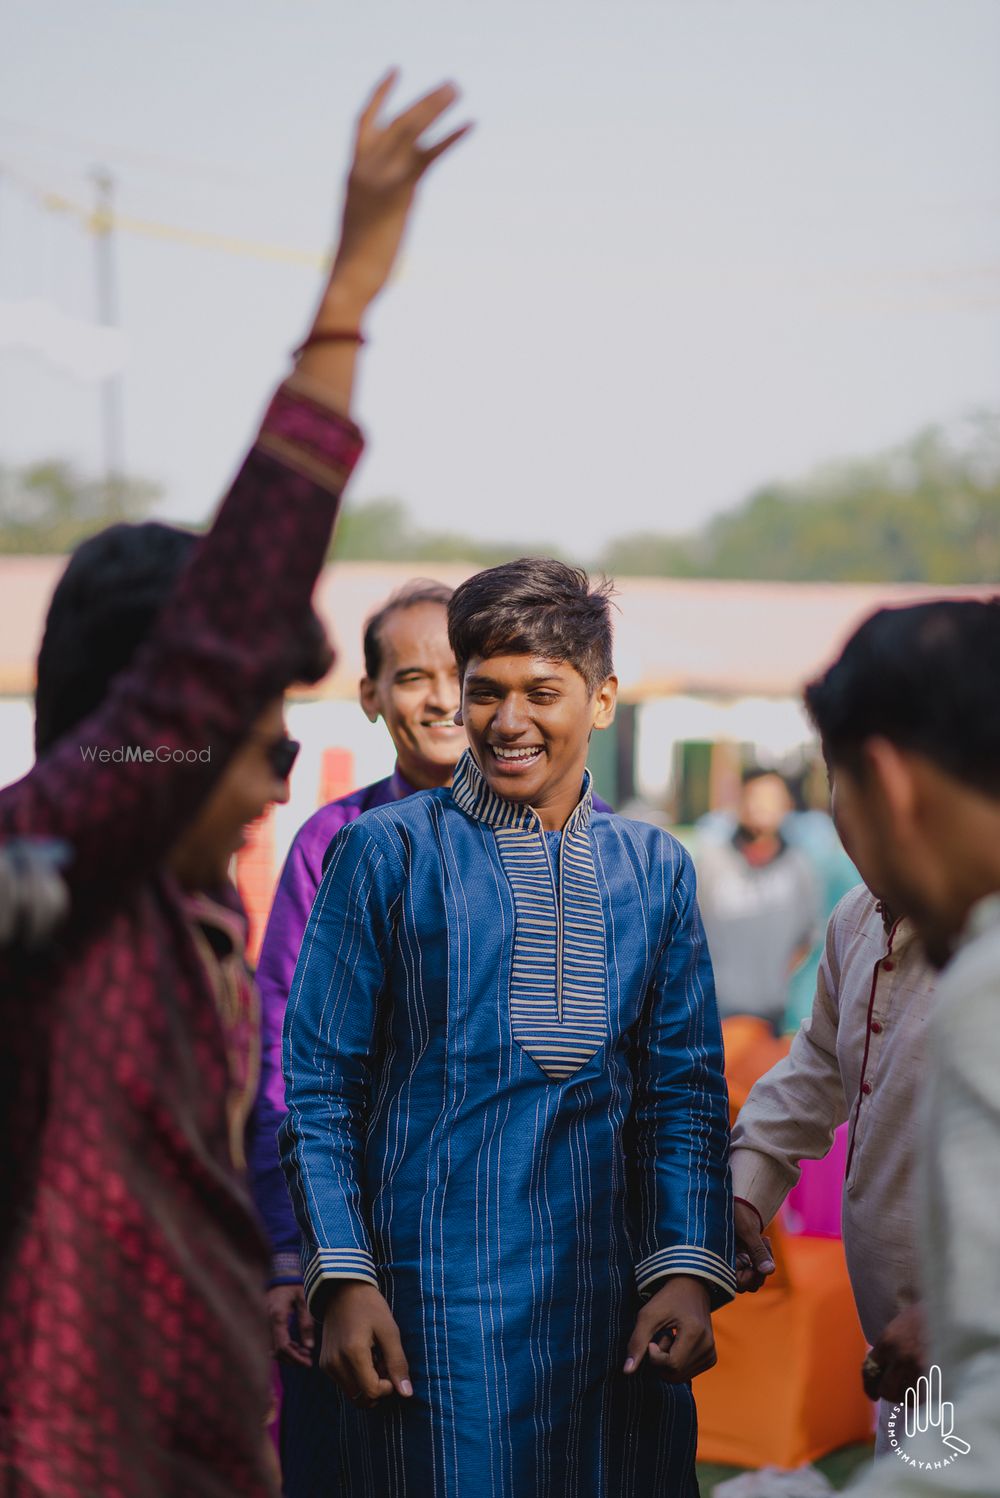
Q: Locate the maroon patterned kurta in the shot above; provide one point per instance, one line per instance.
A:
(133, 1343)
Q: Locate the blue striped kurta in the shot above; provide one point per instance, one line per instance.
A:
(507, 1111)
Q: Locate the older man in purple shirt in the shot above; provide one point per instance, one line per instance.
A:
(410, 682)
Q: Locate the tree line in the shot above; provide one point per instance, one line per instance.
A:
(926, 511)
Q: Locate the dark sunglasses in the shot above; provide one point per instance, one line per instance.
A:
(282, 754)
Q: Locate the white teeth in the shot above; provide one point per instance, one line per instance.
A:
(516, 753)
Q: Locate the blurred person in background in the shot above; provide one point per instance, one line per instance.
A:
(810, 828)
(411, 682)
(760, 902)
(860, 1056)
(909, 717)
(133, 1334)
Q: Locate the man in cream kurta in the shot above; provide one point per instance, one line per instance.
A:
(959, 1224)
(909, 719)
(860, 1056)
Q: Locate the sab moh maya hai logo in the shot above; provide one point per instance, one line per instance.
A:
(922, 1423)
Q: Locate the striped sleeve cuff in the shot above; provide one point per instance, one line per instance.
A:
(286, 1269)
(338, 1264)
(701, 1263)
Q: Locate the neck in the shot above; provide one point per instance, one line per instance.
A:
(424, 777)
(759, 847)
(963, 869)
(555, 812)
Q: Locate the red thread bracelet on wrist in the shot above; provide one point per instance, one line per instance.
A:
(329, 335)
(744, 1203)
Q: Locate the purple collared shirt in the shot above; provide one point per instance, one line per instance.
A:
(300, 879)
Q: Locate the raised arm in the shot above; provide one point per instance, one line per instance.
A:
(223, 645)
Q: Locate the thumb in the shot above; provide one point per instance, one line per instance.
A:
(761, 1256)
(638, 1344)
(394, 1358)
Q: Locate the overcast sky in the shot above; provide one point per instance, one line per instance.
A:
(692, 245)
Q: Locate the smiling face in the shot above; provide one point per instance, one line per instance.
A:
(416, 693)
(529, 722)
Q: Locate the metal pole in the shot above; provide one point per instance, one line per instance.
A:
(107, 310)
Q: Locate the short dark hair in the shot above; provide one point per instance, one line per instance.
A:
(761, 772)
(418, 590)
(104, 606)
(535, 606)
(927, 678)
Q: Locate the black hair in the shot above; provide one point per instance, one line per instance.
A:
(761, 772)
(534, 606)
(927, 678)
(419, 590)
(104, 606)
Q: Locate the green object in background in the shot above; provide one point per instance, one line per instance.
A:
(693, 779)
(602, 762)
(611, 758)
(839, 1468)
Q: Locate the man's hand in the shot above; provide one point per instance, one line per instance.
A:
(361, 1350)
(674, 1328)
(388, 162)
(753, 1250)
(284, 1302)
(898, 1358)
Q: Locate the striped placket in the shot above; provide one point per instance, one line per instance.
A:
(558, 980)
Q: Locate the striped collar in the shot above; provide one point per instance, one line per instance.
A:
(471, 793)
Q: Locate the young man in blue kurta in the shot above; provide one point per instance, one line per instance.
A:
(508, 1128)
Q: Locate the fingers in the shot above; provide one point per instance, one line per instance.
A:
(638, 1345)
(754, 1260)
(412, 123)
(280, 1339)
(280, 1303)
(748, 1279)
(431, 153)
(372, 1365)
(393, 1359)
(679, 1367)
(307, 1326)
(682, 1353)
(751, 1273)
(358, 1376)
(377, 98)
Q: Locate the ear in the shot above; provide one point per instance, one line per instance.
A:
(368, 697)
(892, 772)
(605, 700)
